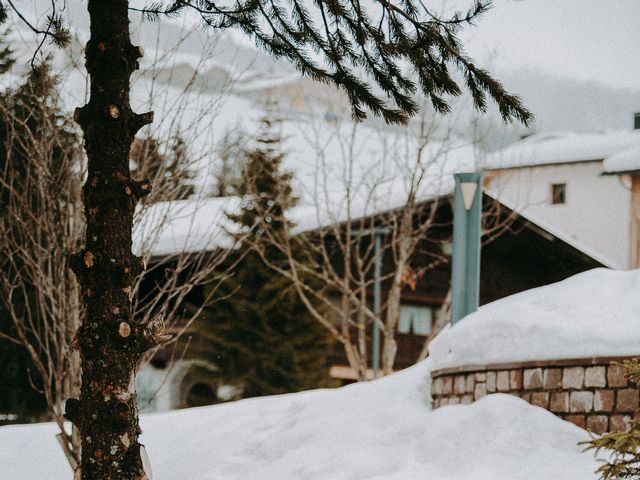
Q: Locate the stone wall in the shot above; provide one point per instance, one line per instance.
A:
(588, 392)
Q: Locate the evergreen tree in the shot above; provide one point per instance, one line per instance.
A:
(6, 55)
(231, 153)
(169, 172)
(621, 449)
(260, 335)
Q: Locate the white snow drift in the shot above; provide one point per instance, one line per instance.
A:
(378, 430)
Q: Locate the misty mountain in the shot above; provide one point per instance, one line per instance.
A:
(562, 104)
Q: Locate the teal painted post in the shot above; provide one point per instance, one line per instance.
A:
(467, 225)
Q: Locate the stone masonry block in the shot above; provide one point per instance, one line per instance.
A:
(515, 379)
(581, 402)
(532, 378)
(447, 385)
(552, 378)
(502, 381)
(619, 423)
(597, 424)
(459, 384)
(627, 400)
(466, 399)
(573, 378)
(603, 400)
(559, 402)
(616, 376)
(540, 399)
(595, 377)
(491, 382)
(480, 391)
(436, 386)
(471, 382)
(577, 420)
(481, 377)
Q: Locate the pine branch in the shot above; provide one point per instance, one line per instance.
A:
(343, 46)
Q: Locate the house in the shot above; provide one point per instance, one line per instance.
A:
(520, 257)
(524, 255)
(577, 185)
(570, 202)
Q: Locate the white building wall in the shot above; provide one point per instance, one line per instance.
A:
(597, 212)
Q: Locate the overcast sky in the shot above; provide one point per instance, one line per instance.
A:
(581, 39)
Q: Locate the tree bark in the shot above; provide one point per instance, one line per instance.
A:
(110, 340)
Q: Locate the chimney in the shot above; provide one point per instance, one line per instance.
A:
(636, 121)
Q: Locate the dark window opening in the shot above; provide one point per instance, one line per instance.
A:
(201, 394)
(558, 193)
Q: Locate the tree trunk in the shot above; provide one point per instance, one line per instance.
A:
(109, 339)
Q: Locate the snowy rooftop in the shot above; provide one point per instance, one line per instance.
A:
(595, 313)
(627, 160)
(331, 188)
(377, 430)
(184, 226)
(552, 148)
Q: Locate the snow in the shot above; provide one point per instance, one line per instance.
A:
(594, 313)
(549, 149)
(184, 226)
(382, 429)
(339, 172)
(625, 161)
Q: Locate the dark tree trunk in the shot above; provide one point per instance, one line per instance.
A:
(110, 340)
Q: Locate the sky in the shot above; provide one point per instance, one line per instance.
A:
(591, 40)
(579, 39)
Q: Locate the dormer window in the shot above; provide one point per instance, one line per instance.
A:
(558, 193)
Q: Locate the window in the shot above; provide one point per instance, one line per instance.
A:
(201, 394)
(558, 193)
(416, 319)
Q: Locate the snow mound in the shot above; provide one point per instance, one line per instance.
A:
(594, 313)
(377, 430)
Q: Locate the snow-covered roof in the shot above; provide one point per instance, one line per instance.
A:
(625, 161)
(556, 148)
(332, 186)
(184, 226)
(383, 429)
(594, 313)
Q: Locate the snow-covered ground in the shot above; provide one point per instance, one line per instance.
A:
(382, 429)
(594, 313)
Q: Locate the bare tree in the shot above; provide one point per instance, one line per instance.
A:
(41, 224)
(367, 184)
